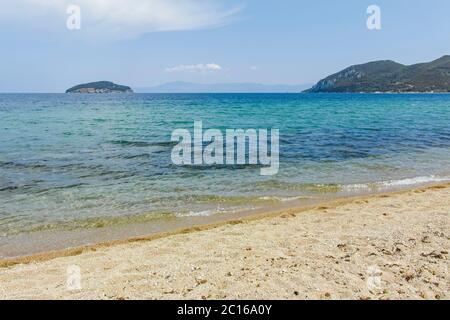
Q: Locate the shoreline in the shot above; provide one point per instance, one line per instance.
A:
(386, 246)
(268, 214)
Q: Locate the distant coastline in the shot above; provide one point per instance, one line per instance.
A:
(190, 87)
(389, 77)
(377, 77)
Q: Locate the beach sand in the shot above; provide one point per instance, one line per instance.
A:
(391, 246)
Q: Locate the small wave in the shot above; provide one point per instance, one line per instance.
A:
(284, 199)
(210, 212)
(209, 199)
(415, 181)
(130, 143)
(288, 186)
(20, 165)
(395, 183)
(9, 188)
(203, 213)
(143, 143)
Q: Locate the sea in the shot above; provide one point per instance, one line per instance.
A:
(79, 169)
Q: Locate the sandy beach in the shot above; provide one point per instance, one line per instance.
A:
(390, 246)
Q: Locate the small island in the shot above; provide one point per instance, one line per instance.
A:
(100, 87)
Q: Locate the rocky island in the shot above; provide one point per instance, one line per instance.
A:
(100, 87)
(389, 77)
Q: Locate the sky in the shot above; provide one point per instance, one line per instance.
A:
(142, 43)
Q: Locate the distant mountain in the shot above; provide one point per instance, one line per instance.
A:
(100, 87)
(187, 87)
(389, 76)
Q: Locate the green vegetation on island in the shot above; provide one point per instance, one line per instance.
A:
(390, 77)
(100, 87)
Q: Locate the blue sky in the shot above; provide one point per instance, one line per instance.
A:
(148, 42)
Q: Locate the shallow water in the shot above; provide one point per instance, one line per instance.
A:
(71, 162)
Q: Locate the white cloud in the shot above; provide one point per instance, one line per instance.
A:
(130, 18)
(208, 67)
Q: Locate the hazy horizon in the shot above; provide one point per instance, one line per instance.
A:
(216, 87)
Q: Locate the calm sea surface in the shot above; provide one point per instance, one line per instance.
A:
(70, 162)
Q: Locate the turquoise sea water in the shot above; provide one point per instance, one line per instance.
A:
(69, 162)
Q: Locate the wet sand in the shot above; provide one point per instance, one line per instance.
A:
(390, 246)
